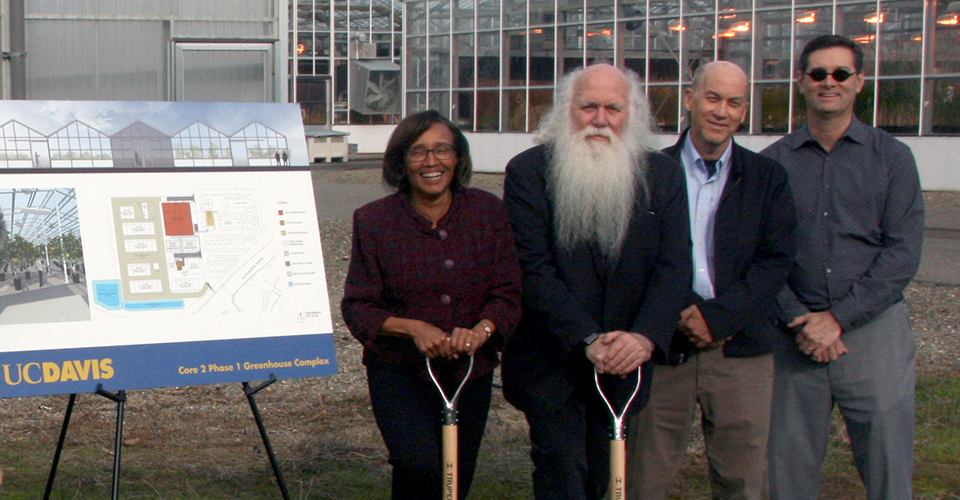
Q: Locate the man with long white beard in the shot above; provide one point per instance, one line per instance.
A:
(601, 225)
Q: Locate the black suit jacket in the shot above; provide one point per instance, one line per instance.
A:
(568, 295)
(754, 243)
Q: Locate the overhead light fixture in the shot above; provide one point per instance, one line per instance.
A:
(728, 15)
(741, 27)
(865, 38)
(301, 48)
(808, 17)
(874, 18)
(607, 32)
(917, 38)
(726, 34)
(537, 31)
(677, 26)
(948, 19)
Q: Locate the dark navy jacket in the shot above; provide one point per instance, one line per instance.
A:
(754, 245)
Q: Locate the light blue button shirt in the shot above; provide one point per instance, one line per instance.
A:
(703, 195)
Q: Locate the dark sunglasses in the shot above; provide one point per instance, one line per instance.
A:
(821, 74)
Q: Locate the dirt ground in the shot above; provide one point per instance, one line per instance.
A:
(209, 429)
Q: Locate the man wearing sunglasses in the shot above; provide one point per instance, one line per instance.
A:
(847, 336)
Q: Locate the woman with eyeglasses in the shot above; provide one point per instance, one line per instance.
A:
(433, 273)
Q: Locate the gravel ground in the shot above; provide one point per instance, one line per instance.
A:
(935, 308)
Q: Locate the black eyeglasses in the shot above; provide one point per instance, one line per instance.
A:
(441, 152)
(820, 74)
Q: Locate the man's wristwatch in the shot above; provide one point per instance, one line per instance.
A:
(591, 338)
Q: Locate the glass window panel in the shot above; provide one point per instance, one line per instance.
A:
(945, 47)
(600, 10)
(898, 104)
(855, 22)
(463, 110)
(901, 37)
(735, 41)
(440, 16)
(571, 63)
(541, 12)
(359, 20)
(664, 7)
(440, 101)
(664, 47)
(416, 101)
(516, 110)
(304, 14)
(488, 111)
(321, 15)
(516, 44)
(663, 107)
(463, 12)
(570, 11)
(305, 44)
(340, 84)
(416, 63)
(810, 23)
(946, 106)
(799, 106)
(340, 44)
(745, 4)
(321, 44)
(541, 100)
(463, 54)
(488, 14)
(863, 107)
(773, 44)
(515, 13)
(224, 75)
(488, 62)
(571, 46)
(440, 61)
(600, 42)
(341, 9)
(305, 66)
(698, 43)
(772, 107)
(416, 17)
(541, 70)
(380, 16)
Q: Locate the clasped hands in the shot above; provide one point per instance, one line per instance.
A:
(434, 342)
(619, 352)
(820, 336)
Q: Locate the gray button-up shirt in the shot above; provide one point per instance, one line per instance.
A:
(859, 223)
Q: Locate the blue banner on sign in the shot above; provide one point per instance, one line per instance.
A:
(74, 371)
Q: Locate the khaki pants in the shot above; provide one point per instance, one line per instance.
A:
(734, 395)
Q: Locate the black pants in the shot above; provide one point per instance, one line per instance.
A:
(409, 413)
(571, 450)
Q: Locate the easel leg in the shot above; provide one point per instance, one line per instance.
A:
(250, 392)
(120, 398)
(56, 455)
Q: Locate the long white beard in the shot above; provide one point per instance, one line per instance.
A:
(595, 187)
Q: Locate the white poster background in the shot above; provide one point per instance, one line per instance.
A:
(302, 308)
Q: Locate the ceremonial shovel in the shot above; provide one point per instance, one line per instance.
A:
(451, 461)
(618, 443)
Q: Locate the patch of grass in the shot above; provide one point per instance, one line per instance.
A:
(202, 443)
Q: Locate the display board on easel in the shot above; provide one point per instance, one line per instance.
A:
(157, 244)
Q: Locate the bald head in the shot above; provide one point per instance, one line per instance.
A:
(718, 101)
(720, 69)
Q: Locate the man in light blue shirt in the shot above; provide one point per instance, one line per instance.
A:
(741, 223)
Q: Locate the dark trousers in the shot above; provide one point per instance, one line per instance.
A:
(408, 410)
(571, 450)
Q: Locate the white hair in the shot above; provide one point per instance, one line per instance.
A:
(595, 185)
